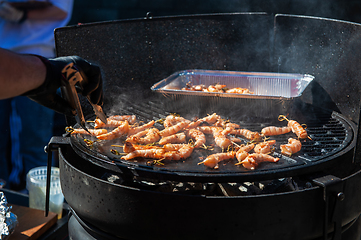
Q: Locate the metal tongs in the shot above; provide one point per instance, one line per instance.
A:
(73, 80)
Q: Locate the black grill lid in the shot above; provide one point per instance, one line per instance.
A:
(135, 54)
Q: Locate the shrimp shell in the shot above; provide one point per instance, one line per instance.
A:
(116, 133)
(293, 146)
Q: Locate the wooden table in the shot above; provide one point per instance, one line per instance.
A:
(53, 231)
(32, 223)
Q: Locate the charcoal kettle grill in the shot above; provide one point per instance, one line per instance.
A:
(320, 200)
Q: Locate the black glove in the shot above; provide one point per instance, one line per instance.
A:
(46, 93)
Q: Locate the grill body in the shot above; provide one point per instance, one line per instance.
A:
(135, 213)
(135, 54)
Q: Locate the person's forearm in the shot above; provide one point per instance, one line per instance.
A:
(19, 73)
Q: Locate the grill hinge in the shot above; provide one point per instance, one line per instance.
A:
(333, 196)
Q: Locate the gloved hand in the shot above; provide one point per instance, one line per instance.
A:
(11, 14)
(46, 93)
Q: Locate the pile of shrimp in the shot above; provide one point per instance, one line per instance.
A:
(218, 88)
(179, 137)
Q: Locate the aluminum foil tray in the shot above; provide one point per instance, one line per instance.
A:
(262, 85)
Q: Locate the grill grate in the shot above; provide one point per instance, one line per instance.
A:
(331, 137)
(329, 133)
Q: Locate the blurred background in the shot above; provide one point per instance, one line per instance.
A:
(86, 11)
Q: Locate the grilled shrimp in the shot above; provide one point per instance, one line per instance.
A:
(298, 129)
(247, 134)
(133, 138)
(175, 138)
(243, 151)
(111, 123)
(272, 131)
(210, 119)
(173, 129)
(241, 155)
(172, 120)
(292, 147)
(116, 133)
(219, 135)
(253, 160)
(209, 129)
(130, 118)
(239, 91)
(225, 123)
(130, 147)
(94, 132)
(134, 130)
(198, 136)
(215, 88)
(247, 147)
(151, 135)
(191, 87)
(264, 147)
(213, 160)
(173, 146)
(220, 138)
(295, 126)
(184, 152)
(156, 153)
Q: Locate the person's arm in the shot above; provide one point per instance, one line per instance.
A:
(12, 14)
(48, 13)
(19, 73)
(39, 78)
